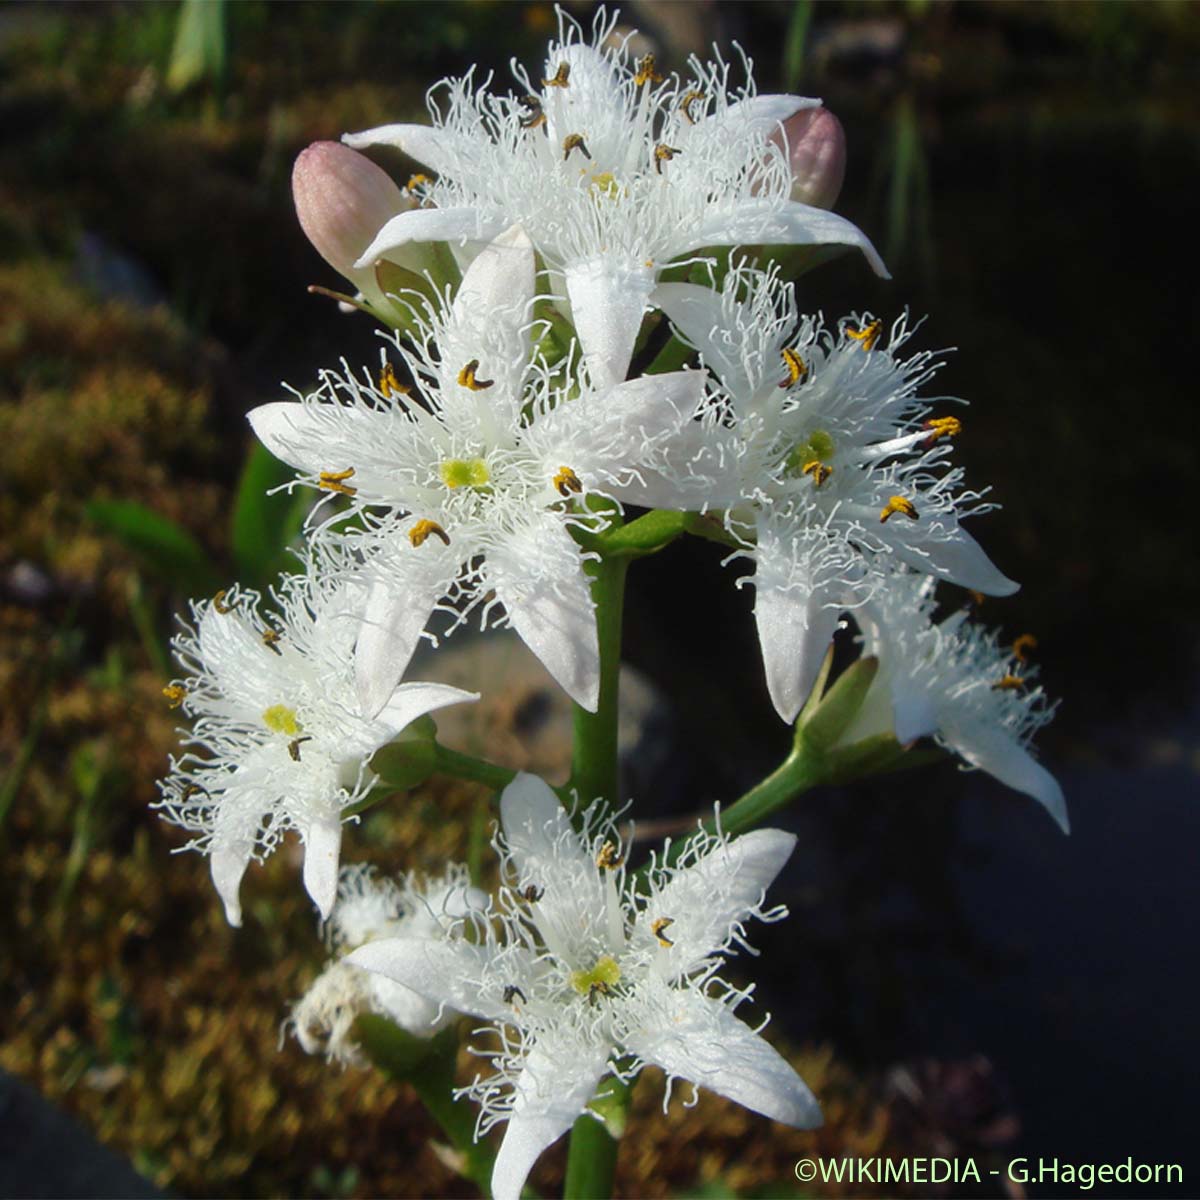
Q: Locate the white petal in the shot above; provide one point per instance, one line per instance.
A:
(443, 971)
(696, 313)
(422, 142)
(537, 572)
(547, 853)
(250, 676)
(324, 437)
(1004, 758)
(700, 1040)
(429, 225)
(500, 280)
(539, 834)
(792, 224)
(960, 560)
(227, 863)
(795, 627)
(552, 1090)
(397, 609)
(913, 712)
(412, 700)
(705, 901)
(758, 116)
(608, 300)
(322, 848)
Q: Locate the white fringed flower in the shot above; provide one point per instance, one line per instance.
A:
(588, 975)
(279, 741)
(370, 907)
(613, 171)
(955, 682)
(481, 474)
(826, 462)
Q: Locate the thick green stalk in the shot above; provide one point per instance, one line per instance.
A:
(592, 1158)
(594, 757)
(466, 766)
(591, 1161)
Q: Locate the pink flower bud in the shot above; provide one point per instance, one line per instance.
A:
(343, 200)
(816, 146)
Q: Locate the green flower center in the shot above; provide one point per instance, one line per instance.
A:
(818, 449)
(281, 719)
(604, 975)
(464, 472)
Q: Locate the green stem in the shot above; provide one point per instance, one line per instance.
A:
(458, 1124)
(594, 758)
(591, 1161)
(466, 766)
(592, 1158)
(796, 774)
(801, 771)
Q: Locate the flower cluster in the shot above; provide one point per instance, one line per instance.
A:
(486, 464)
(279, 740)
(370, 907)
(583, 974)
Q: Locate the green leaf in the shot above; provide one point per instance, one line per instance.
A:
(411, 758)
(793, 44)
(824, 726)
(395, 1051)
(165, 547)
(262, 526)
(199, 50)
(646, 535)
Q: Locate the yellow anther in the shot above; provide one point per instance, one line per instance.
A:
(797, 367)
(218, 602)
(418, 181)
(423, 528)
(898, 504)
(574, 141)
(335, 481)
(818, 470)
(281, 719)
(867, 336)
(174, 694)
(561, 76)
(389, 385)
(464, 472)
(193, 789)
(270, 639)
(646, 72)
(658, 925)
(1010, 683)
(685, 105)
(533, 115)
(1023, 645)
(606, 860)
(940, 427)
(663, 153)
(294, 747)
(566, 482)
(466, 378)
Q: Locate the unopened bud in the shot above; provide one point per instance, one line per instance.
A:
(343, 200)
(816, 149)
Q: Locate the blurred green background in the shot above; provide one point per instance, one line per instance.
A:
(963, 979)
